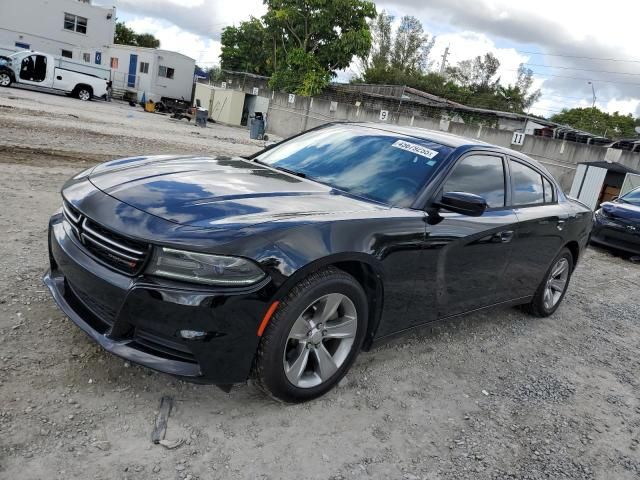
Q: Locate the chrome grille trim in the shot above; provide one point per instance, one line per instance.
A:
(86, 229)
(125, 255)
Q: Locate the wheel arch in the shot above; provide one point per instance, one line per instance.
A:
(367, 271)
(574, 248)
(77, 88)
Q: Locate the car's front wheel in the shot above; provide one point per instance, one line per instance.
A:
(313, 338)
(554, 286)
(5, 79)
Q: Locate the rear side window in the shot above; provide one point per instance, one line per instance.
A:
(482, 175)
(527, 185)
(548, 190)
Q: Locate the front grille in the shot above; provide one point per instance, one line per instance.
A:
(118, 252)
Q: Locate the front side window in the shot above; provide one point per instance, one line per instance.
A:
(382, 166)
(75, 23)
(481, 175)
(526, 184)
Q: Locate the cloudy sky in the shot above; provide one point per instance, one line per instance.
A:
(566, 43)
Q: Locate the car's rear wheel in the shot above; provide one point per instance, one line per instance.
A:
(5, 79)
(313, 338)
(84, 93)
(554, 286)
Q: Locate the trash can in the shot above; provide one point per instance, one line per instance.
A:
(202, 116)
(257, 127)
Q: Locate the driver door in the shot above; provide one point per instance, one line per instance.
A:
(470, 255)
(33, 69)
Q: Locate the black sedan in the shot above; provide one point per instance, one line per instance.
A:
(283, 266)
(617, 223)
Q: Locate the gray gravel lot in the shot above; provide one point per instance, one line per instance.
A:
(495, 395)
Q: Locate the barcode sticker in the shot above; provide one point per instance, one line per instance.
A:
(415, 148)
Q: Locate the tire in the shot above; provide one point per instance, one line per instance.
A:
(300, 356)
(553, 288)
(83, 93)
(5, 79)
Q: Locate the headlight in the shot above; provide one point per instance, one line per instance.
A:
(204, 268)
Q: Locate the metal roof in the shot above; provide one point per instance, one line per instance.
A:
(611, 166)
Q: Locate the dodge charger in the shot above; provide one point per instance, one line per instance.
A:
(281, 267)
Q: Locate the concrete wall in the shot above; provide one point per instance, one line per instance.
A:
(40, 24)
(558, 156)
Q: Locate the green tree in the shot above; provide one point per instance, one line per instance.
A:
(147, 40)
(126, 36)
(596, 121)
(246, 48)
(301, 43)
(398, 57)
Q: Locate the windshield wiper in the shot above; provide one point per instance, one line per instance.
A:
(292, 172)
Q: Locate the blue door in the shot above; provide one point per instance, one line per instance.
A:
(133, 67)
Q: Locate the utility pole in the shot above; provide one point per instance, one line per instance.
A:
(593, 90)
(443, 65)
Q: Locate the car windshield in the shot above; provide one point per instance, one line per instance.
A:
(383, 166)
(633, 197)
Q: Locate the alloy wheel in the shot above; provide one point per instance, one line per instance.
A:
(5, 79)
(556, 283)
(320, 340)
(84, 95)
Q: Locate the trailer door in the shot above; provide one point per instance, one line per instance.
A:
(133, 68)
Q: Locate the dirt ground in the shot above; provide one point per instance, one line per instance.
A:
(495, 395)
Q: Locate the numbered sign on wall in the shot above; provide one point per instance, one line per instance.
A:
(292, 98)
(517, 139)
(384, 114)
(256, 90)
(224, 85)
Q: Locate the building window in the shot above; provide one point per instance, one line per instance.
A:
(24, 46)
(165, 72)
(86, 57)
(67, 53)
(114, 63)
(144, 67)
(75, 23)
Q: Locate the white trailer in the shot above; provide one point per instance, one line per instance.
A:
(48, 72)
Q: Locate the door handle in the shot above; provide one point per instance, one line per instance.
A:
(504, 237)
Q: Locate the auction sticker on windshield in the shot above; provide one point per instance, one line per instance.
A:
(415, 148)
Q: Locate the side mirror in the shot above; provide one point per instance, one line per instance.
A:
(464, 203)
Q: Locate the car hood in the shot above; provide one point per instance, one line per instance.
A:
(210, 192)
(624, 211)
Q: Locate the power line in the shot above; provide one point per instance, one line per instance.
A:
(603, 59)
(581, 69)
(579, 78)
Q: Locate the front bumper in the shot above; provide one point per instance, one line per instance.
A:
(616, 234)
(138, 318)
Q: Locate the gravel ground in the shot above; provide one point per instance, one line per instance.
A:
(495, 395)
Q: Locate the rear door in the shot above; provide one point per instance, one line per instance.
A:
(541, 224)
(470, 255)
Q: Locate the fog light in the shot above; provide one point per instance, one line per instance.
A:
(192, 334)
